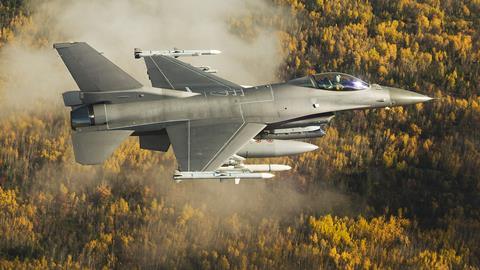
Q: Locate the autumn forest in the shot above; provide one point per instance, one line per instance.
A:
(391, 188)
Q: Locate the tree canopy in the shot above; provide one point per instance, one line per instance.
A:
(394, 188)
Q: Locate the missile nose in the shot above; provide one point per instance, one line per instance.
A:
(311, 147)
(404, 97)
(267, 175)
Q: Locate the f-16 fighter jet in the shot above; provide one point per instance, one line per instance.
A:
(212, 124)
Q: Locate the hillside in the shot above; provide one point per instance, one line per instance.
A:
(394, 188)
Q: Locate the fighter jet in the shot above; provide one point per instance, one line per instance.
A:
(212, 124)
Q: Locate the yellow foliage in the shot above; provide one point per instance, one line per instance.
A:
(128, 214)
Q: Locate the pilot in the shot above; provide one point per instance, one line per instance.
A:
(338, 85)
(325, 83)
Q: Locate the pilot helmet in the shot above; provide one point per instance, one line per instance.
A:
(337, 78)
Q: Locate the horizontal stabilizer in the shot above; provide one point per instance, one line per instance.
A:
(94, 147)
(92, 71)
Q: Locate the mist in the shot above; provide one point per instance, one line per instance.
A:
(116, 27)
(35, 74)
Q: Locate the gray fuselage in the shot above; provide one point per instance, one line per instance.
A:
(268, 104)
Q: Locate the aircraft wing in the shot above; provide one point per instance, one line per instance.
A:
(168, 72)
(205, 145)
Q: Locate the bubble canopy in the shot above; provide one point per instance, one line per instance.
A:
(334, 81)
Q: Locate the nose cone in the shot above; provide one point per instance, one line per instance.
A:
(404, 97)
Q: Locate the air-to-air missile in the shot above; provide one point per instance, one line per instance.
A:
(139, 53)
(212, 124)
(220, 175)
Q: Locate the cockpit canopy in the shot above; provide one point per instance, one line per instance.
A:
(331, 81)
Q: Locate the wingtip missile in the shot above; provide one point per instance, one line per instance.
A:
(219, 175)
(139, 53)
(215, 52)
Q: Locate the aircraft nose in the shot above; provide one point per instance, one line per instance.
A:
(404, 97)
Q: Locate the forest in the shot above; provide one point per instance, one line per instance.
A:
(394, 188)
